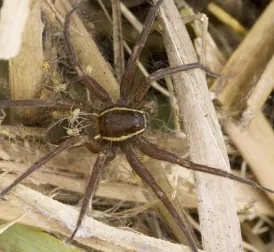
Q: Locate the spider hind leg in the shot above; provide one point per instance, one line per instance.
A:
(91, 186)
(155, 152)
(146, 176)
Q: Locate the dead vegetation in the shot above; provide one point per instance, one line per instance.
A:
(243, 96)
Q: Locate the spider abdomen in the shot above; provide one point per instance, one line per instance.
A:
(121, 123)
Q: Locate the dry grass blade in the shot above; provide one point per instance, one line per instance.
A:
(215, 59)
(118, 48)
(131, 18)
(86, 49)
(263, 88)
(244, 90)
(25, 71)
(226, 18)
(159, 175)
(123, 201)
(231, 90)
(216, 200)
(18, 157)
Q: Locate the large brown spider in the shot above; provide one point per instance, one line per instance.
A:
(121, 125)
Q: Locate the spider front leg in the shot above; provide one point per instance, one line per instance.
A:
(89, 82)
(145, 85)
(66, 104)
(155, 152)
(126, 82)
(65, 145)
(145, 175)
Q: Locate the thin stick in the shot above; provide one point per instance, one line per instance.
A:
(155, 152)
(207, 50)
(92, 182)
(119, 59)
(145, 175)
(174, 105)
(131, 18)
(67, 144)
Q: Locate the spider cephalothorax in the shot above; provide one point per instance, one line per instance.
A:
(121, 124)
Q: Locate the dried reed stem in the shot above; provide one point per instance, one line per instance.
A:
(87, 51)
(11, 29)
(119, 59)
(246, 82)
(54, 216)
(25, 71)
(18, 156)
(217, 209)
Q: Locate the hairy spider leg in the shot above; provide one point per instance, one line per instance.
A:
(145, 175)
(92, 182)
(127, 78)
(63, 146)
(146, 83)
(89, 82)
(66, 104)
(155, 152)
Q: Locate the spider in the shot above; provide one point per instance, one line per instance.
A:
(120, 125)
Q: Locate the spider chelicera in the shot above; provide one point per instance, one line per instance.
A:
(120, 125)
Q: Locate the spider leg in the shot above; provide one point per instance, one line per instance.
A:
(145, 175)
(155, 152)
(44, 103)
(126, 82)
(69, 143)
(143, 88)
(89, 82)
(92, 182)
